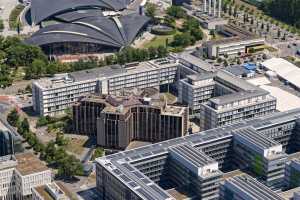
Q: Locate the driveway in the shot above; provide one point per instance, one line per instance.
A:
(7, 6)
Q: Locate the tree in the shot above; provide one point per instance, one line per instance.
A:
(1, 25)
(60, 139)
(183, 40)
(197, 33)
(99, 152)
(13, 118)
(50, 151)
(69, 166)
(176, 11)
(151, 9)
(24, 126)
(161, 52)
(5, 79)
(36, 69)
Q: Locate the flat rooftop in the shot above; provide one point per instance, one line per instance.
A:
(28, 163)
(239, 96)
(289, 194)
(247, 186)
(192, 155)
(42, 190)
(61, 80)
(132, 178)
(258, 140)
(187, 56)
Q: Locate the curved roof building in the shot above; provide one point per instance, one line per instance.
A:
(113, 32)
(45, 9)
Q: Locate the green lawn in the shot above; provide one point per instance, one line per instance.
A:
(14, 16)
(158, 41)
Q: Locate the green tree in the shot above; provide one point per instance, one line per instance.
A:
(5, 79)
(1, 25)
(151, 9)
(24, 126)
(13, 118)
(36, 69)
(69, 166)
(99, 152)
(176, 11)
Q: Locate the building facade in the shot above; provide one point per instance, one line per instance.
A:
(244, 187)
(118, 120)
(149, 172)
(51, 96)
(21, 173)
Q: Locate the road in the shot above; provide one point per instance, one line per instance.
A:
(8, 6)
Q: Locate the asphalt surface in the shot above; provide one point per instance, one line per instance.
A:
(7, 6)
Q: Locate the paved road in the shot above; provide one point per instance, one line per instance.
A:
(8, 6)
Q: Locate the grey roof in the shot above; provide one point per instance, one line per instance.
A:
(237, 70)
(97, 72)
(78, 14)
(248, 188)
(113, 32)
(132, 177)
(43, 9)
(258, 142)
(229, 98)
(192, 155)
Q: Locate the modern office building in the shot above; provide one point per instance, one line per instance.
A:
(244, 187)
(261, 155)
(52, 191)
(219, 98)
(6, 141)
(19, 174)
(195, 90)
(51, 96)
(236, 41)
(292, 173)
(118, 120)
(146, 172)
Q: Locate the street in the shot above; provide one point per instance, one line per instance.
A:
(7, 6)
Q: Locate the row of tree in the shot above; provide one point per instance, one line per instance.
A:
(39, 67)
(284, 10)
(53, 153)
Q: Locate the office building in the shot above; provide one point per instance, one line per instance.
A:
(52, 191)
(237, 41)
(19, 174)
(244, 187)
(51, 96)
(117, 120)
(292, 173)
(261, 155)
(6, 141)
(195, 90)
(219, 98)
(146, 172)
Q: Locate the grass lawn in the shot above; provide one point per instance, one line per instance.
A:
(19, 74)
(159, 40)
(14, 16)
(75, 145)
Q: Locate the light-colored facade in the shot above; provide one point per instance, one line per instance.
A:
(231, 46)
(20, 174)
(52, 191)
(219, 111)
(244, 187)
(52, 96)
(143, 173)
(195, 90)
